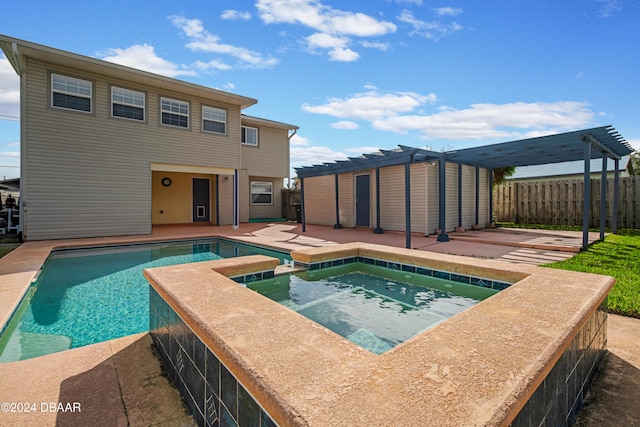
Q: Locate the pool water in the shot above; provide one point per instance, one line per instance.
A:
(85, 296)
(374, 307)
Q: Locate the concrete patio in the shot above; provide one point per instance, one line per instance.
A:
(121, 382)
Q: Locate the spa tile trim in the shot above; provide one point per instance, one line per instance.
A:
(460, 278)
(558, 399)
(210, 391)
(253, 277)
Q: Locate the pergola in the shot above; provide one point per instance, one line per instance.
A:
(600, 142)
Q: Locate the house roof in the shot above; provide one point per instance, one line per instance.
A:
(259, 121)
(567, 168)
(16, 49)
(563, 147)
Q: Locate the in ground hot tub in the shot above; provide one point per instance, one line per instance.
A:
(522, 356)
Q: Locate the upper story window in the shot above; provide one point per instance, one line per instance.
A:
(250, 136)
(71, 93)
(175, 113)
(214, 120)
(126, 103)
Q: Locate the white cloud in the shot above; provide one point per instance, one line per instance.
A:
(609, 8)
(344, 125)
(236, 15)
(432, 30)
(309, 155)
(143, 57)
(480, 121)
(326, 21)
(214, 64)
(400, 113)
(375, 45)
(448, 11)
(371, 105)
(203, 41)
(635, 144)
(9, 91)
(14, 154)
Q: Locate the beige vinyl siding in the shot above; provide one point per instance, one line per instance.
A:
(225, 199)
(319, 200)
(418, 187)
(392, 206)
(346, 200)
(451, 184)
(483, 216)
(103, 163)
(468, 196)
(433, 179)
(271, 156)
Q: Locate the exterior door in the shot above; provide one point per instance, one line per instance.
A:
(363, 201)
(201, 200)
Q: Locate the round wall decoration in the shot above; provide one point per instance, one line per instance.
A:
(166, 182)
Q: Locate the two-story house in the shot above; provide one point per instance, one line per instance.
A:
(109, 150)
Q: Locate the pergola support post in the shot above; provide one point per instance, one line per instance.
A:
(616, 196)
(378, 229)
(491, 223)
(477, 222)
(442, 200)
(460, 228)
(236, 200)
(586, 207)
(407, 203)
(603, 196)
(337, 225)
(302, 215)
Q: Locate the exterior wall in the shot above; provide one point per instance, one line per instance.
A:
(271, 156)
(468, 196)
(103, 163)
(392, 211)
(320, 200)
(451, 201)
(483, 217)
(424, 187)
(173, 205)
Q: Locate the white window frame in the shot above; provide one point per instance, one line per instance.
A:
(215, 115)
(129, 98)
(270, 183)
(71, 86)
(243, 137)
(175, 108)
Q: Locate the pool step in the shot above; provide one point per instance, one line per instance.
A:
(369, 341)
(25, 345)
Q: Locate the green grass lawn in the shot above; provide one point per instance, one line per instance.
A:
(617, 256)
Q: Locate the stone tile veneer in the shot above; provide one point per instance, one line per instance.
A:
(525, 356)
(209, 390)
(557, 400)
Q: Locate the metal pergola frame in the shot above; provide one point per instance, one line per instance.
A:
(584, 144)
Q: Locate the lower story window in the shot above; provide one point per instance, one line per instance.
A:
(261, 193)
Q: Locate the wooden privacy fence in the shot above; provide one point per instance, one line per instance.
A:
(560, 202)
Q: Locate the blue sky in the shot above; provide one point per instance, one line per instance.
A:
(359, 76)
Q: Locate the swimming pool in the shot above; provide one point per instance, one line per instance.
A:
(89, 295)
(374, 307)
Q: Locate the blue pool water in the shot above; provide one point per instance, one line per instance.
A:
(85, 296)
(374, 307)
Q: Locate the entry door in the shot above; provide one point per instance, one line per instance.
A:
(363, 201)
(201, 200)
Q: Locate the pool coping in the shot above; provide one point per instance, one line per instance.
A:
(480, 366)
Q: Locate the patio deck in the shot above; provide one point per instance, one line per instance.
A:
(120, 382)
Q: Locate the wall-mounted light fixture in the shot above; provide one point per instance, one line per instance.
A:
(225, 179)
